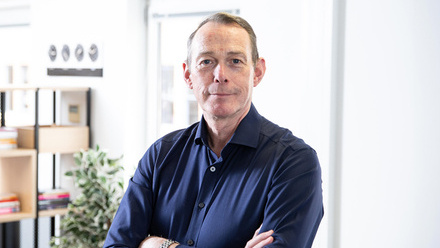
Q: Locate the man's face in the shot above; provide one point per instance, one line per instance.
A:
(222, 73)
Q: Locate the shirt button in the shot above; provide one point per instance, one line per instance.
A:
(190, 242)
(212, 169)
(201, 205)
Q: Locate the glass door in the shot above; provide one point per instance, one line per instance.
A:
(177, 105)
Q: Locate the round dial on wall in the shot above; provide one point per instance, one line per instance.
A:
(93, 52)
(52, 53)
(79, 52)
(65, 52)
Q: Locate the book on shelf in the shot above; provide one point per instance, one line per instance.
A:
(53, 199)
(7, 197)
(9, 203)
(52, 206)
(9, 210)
(53, 192)
(8, 138)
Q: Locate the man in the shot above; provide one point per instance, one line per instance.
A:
(216, 182)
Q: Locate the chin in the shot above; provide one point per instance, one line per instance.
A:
(224, 113)
(219, 112)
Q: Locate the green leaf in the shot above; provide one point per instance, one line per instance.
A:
(91, 212)
(103, 180)
(77, 160)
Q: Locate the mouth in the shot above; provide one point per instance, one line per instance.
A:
(220, 95)
(221, 92)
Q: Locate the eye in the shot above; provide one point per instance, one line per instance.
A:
(206, 62)
(236, 61)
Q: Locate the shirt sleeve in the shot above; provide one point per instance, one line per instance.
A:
(131, 223)
(294, 206)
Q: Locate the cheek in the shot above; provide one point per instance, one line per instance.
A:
(198, 81)
(198, 77)
(199, 91)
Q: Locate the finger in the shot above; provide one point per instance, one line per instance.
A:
(265, 242)
(258, 230)
(259, 238)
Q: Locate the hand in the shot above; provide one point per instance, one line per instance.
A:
(260, 240)
(154, 242)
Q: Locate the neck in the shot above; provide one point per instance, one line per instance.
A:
(221, 130)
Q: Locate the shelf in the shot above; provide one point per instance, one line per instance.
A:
(55, 139)
(16, 216)
(19, 152)
(53, 212)
(19, 167)
(18, 172)
(4, 88)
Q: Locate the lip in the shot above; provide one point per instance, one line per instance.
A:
(220, 94)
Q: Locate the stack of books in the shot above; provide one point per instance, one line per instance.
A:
(53, 199)
(9, 203)
(8, 138)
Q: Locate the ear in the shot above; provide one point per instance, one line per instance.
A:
(259, 71)
(186, 75)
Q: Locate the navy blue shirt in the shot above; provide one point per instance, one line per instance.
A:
(182, 191)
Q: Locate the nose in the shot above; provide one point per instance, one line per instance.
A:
(220, 74)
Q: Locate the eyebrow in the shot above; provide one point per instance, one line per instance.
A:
(231, 53)
(204, 54)
(241, 54)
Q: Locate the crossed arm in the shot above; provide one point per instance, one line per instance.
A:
(293, 210)
(258, 241)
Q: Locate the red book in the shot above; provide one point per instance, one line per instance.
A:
(7, 197)
(51, 197)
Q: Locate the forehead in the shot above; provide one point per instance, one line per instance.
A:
(221, 38)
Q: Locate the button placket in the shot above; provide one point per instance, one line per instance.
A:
(208, 184)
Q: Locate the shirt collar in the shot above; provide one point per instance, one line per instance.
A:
(247, 133)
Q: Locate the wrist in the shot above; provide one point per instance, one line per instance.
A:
(169, 244)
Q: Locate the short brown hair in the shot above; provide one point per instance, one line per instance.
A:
(226, 18)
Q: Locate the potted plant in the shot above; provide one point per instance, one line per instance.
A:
(90, 214)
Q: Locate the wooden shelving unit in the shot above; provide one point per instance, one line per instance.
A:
(51, 213)
(18, 173)
(19, 167)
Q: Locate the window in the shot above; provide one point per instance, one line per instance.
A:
(171, 103)
(15, 49)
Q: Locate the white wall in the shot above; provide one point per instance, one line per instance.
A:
(118, 98)
(391, 136)
(294, 37)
